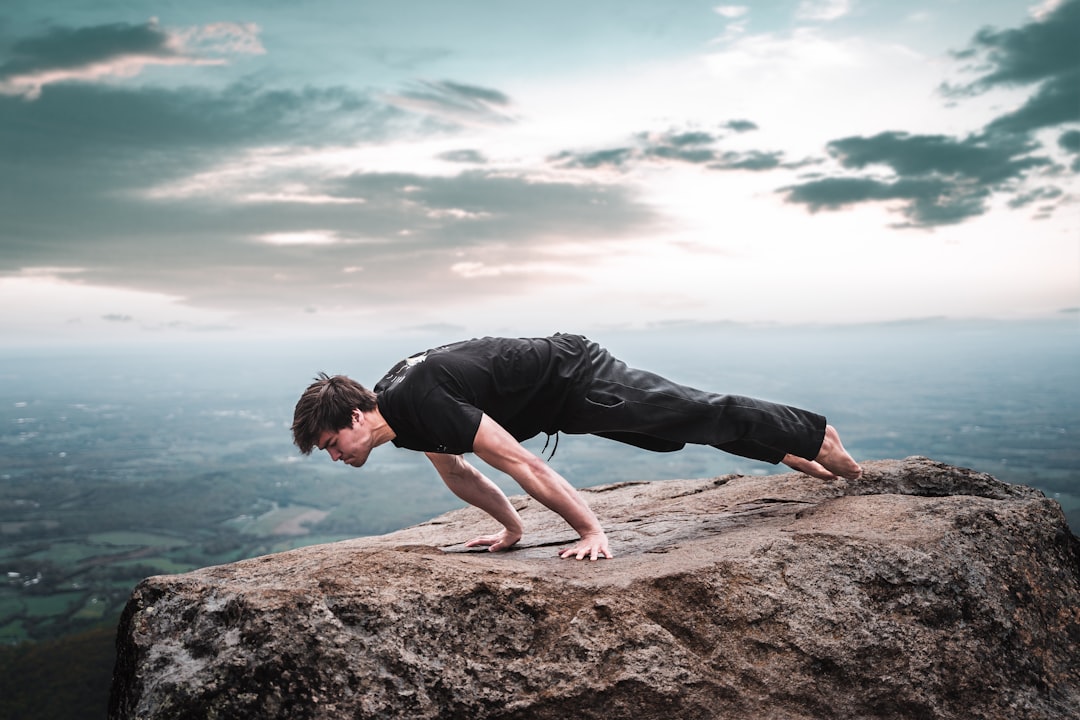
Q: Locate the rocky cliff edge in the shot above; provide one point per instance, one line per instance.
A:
(920, 591)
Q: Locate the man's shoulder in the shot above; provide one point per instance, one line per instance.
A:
(417, 375)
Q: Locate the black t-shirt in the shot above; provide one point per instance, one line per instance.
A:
(434, 401)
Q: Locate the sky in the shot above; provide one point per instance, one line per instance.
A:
(322, 168)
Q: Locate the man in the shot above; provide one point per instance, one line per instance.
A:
(487, 395)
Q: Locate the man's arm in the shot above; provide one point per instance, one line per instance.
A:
(473, 487)
(498, 448)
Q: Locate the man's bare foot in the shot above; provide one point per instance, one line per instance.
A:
(835, 458)
(809, 467)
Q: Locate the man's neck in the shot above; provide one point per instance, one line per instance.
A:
(381, 432)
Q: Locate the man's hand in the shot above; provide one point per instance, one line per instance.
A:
(591, 545)
(496, 542)
(498, 448)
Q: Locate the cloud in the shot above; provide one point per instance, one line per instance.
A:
(1056, 102)
(752, 160)
(242, 197)
(731, 12)
(737, 17)
(117, 50)
(94, 151)
(399, 247)
(824, 10)
(1036, 195)
(1037, 51)
(979, 158)
(468, 156)
(87, 157)
(1044, 53)
(942, 180)
(454, 102)
(927, 202)
(690, 147)
(590, 160)
(1070, 141)
(695, 147)
(740, 125)
(83, 121)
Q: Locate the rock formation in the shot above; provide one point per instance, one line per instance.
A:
(920, 591)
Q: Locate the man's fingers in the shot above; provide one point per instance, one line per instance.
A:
(586, 551)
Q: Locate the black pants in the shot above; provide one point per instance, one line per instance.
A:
(651, 412)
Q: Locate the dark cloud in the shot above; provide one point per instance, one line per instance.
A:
(610, 158)
(65, 48)
(752, 160)
(119, 50)
(979, 158)
(694, 147)
(1070, 143)
(473, 93)
(472, 157)
(740, 126)
(926, 201)
(1039, 194)
(1037, 51)
(1057, 101)
(942, 180)
(84, 121)
(687, 139)
(1044, 53)
(694, 154)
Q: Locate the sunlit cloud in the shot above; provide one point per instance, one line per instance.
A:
(731, 12)
(1046, 8)
(474, 269)
(298, 196)
(311, 237)
(49, 272)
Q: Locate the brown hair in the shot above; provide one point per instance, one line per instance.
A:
(327, 405)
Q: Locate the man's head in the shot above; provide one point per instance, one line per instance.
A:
(328, 405)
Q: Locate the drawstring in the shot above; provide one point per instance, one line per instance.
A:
(553, 449)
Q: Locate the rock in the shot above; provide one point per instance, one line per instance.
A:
(920, 591)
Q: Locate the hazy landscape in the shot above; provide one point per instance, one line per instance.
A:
(120, 465)
(123, 462)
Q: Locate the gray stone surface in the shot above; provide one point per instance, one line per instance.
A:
(921, 591)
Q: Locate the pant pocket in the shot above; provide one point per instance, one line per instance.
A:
(603, 399)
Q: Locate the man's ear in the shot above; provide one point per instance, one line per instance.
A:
(357, 416)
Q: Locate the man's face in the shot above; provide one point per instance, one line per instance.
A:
(351, 445)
